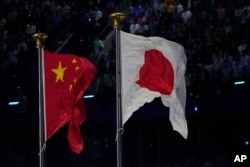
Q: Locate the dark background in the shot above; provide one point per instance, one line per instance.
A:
(217, 112)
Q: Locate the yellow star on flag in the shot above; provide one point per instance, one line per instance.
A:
(74, 61)
(59, 71)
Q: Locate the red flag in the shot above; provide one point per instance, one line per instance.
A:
(67, 77)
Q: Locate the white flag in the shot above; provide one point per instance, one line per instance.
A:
(153, 67)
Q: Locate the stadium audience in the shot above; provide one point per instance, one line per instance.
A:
(215, 35)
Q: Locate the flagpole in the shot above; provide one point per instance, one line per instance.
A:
(40, 40)
(117, 18)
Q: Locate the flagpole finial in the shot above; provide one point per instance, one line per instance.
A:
(40, 39)
(117, 19)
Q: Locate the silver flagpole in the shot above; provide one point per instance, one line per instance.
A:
(40, 40)
(117, 19)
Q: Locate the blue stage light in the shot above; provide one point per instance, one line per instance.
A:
(88, 96)
(13, 103)
(239, 82)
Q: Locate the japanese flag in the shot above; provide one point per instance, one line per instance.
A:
(153, 67)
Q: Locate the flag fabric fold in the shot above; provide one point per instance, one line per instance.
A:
(66, 78)
(153, 67)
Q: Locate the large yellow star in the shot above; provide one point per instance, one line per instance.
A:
(59, 71)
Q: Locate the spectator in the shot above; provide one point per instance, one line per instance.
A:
(179, 7)
(97, 16)
(186, 15)
(134, 26)
(98, 45)
(242, 47)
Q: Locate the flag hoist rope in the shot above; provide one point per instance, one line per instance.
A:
(40, 40)
(117, 18)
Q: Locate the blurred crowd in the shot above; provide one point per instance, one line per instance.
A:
(19, 20)
(215, 35)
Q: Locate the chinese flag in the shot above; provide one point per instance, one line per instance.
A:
(66, 77)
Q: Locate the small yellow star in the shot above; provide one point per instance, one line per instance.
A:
(59, 71)
(70, 87)
(77, 68)
(74, 61)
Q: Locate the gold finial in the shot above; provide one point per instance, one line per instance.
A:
(40, 39)
(117, 19)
